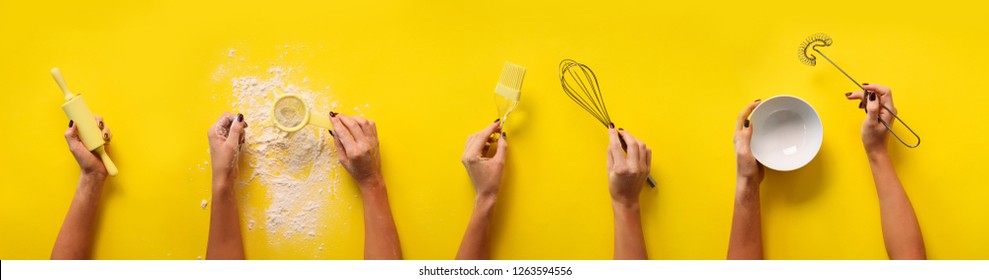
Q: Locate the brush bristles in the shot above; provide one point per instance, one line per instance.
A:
(511, 76)
(819, 39)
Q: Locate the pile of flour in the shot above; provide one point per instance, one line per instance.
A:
(298, 169)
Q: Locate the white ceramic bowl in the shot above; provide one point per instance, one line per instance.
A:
(786, 132)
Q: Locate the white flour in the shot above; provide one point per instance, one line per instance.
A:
(298, 169)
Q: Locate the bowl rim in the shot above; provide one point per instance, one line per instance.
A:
(812, 109)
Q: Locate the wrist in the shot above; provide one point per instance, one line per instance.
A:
(90, 185)
(747, 184)
(876, 153)
(371, 183)
(746, 192)
(625, 203)
(625, 208)
(92, 178)
(222, 187)
(484, 204)
(485, 199)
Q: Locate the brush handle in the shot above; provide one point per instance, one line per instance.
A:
(57, 74)
(649, 180)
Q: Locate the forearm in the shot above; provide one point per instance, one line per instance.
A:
(746, 225)
(901, 231)
(75, 239)
(475, 245)
(380, 235)
(225, 240)
(629, 241)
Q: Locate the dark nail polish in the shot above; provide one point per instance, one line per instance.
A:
(872, 96)
(611, 125)
(496, 120)
(621, 128)
(240, 117)
(757, 100)
(848, 94)
(504, 135)
(100, 124)
(106, 137)
(331, 133)
(745, 123)
(333, 114)
(861, 104)
(70, 123)
(865, 84)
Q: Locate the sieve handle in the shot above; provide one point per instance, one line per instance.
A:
(57, 74)
(320, 120)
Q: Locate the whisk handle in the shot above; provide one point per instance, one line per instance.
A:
(649, 180)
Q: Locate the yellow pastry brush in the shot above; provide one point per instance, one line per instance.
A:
(76, 109)
(508, 92)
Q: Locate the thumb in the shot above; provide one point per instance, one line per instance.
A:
(615, 145)
(236, 131)
(872, 106)
(502, 152)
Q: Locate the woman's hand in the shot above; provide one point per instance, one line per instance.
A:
(874, 133)
(357, 149)
(225, 138)
(749, 170)
(90, 164)
(627, 170)
(356, 139)
(485, 172)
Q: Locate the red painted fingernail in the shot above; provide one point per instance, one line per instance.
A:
(70, 123)
(861, 104)
(745, 123)
(333, 114)
(498, 119)
(611, 125)
(240, 117)
(872, 96)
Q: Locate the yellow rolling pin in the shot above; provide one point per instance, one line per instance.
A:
(76, 109)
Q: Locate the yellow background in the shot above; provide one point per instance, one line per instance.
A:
(675, 74)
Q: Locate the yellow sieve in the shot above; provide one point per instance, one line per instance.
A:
(290, 113)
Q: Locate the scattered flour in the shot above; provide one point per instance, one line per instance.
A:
(298, 169)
